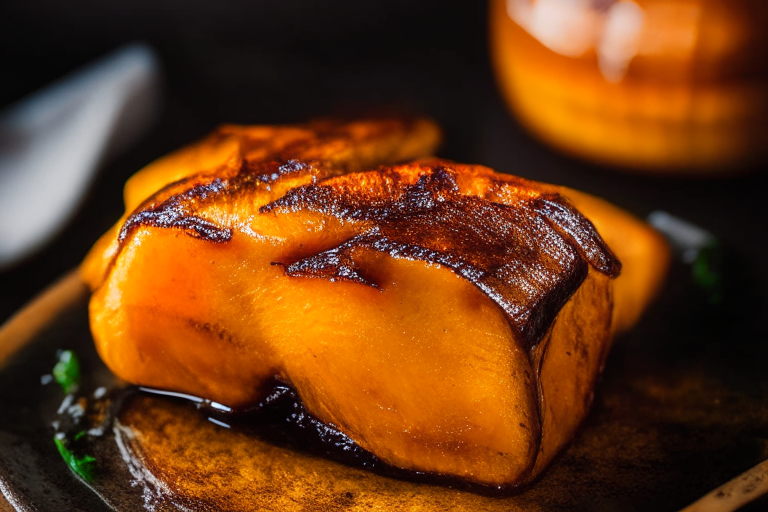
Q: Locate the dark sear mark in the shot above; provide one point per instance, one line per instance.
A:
(337, 264)
(528, 258)
(175, 212)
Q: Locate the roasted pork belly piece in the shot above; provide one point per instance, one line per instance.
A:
(444, 317)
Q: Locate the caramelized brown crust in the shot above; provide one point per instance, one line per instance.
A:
(266, 153)
(528, 254)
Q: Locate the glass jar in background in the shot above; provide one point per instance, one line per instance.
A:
(659, 85)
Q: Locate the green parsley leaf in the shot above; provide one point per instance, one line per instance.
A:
(67, 371)
(84, 466)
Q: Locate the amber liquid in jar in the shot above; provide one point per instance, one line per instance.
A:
(656, 85)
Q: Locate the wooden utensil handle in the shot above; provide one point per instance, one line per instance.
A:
(733, 495)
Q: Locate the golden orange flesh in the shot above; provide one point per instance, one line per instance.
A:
(446, 318)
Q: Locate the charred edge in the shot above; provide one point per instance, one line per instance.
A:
(192, 225)
(173, 213)
(570, 222)
(436, 186)
(294, 198)
(431, 221)
(545, 312)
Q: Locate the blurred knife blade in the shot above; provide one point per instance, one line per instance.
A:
(53, 142)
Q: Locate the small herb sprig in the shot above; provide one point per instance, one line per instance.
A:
(67, 371)
(84, 466)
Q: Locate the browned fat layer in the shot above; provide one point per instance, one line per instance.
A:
(529, 257)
